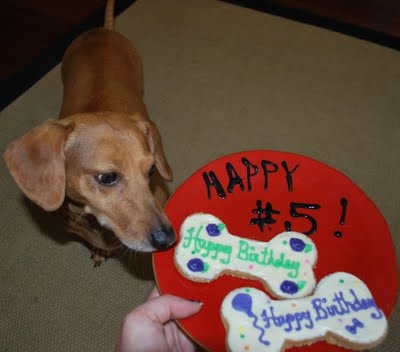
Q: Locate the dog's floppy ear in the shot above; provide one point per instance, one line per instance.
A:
(154, 140)
(37, 163)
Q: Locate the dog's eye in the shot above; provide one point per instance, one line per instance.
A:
(107, 179)
(152, 170)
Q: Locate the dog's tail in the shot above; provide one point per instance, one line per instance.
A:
(109, 16)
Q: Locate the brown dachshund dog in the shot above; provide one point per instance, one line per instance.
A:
(103, 160)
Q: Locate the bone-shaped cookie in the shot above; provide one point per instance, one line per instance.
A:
(341, 311)
(207, 250)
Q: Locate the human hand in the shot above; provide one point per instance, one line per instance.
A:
(151, 327)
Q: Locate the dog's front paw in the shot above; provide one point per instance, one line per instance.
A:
(99, 256)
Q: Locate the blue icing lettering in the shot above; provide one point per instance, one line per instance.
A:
(340, 305)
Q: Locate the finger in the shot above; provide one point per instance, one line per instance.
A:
(167, 307)
(154, 293)
(178, 338)
(185, 343)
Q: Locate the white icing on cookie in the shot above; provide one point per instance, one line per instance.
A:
(207, 250)
(341, 311)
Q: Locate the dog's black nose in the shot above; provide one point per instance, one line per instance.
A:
(162, 239)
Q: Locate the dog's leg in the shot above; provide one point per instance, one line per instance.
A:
(99, 256)
(103, 242)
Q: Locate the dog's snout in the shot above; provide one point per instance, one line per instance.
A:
(162, 238)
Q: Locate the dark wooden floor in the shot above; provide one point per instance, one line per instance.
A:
(31, 26)
(373, 20)
(35, 34)
(381, 16)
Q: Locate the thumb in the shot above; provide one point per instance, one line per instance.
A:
(167, 307)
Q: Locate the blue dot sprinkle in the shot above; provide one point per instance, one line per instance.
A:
(297, 244)
(195, 265)
(213, 230)
(289, 287)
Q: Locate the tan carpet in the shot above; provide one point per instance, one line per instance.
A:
(219, 79)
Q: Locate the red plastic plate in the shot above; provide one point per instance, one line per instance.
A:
(259, 194)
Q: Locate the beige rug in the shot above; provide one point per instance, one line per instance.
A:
(262, 82)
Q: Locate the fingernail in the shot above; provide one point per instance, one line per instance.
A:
(195, 301)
